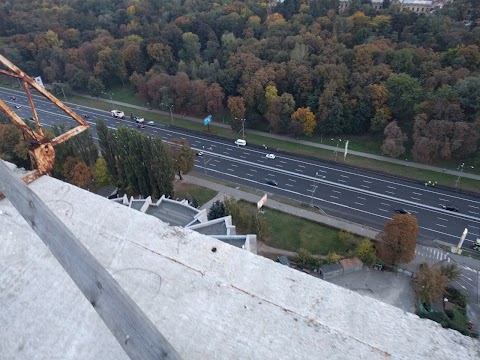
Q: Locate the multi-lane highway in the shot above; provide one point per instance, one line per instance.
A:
(356, 195)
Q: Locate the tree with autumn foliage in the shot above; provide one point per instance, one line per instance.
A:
(394, 139)
(430, 283)
(77, 172)
(307, 118)
(183, 157)
(398, 239)
(236, 105)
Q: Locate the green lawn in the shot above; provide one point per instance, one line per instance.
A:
(291, 233)
(202, 194)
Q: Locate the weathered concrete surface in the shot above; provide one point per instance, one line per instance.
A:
(227, 304)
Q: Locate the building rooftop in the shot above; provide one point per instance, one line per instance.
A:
(209, 299)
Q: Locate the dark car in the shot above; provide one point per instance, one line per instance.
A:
(402, 211)
(13, 98)
(271, 182)
(450, 208)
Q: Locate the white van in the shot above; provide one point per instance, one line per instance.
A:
(240, 142)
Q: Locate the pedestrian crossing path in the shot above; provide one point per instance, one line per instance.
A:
(431, 254)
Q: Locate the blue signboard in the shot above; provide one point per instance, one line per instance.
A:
(207, 120)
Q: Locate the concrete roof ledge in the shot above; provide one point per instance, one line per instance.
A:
(209, 299)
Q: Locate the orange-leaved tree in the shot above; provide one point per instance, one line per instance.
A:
(307, 118)
(399, 239)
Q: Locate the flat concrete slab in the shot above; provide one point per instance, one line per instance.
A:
(391, 288)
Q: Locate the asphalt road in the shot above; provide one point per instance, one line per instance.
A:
(361, 196)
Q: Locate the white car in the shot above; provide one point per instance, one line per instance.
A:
(139, 119)
(117, 114)
(18, 107)
(240, 142)
(270, 156)
(151, 123)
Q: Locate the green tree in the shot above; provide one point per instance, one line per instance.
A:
(399, 239)
(468, 91)
(404, 92)
(107, 142)
(183, 156)
(366, 252)
(95, 87)
(217, 210)
(100, 173)
(451, 271)
(190, 47)
(259, 226)
(239, 214)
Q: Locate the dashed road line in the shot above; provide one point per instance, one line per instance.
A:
(333, 197)
(366, 181)
(383, 210)
(336, 191)
(439, 218)
(292, 180)
(365, 186)
(389, 192)
(385, 204)
(300, 171)
(441, 225)
(475, 207)
(340, 180)
(361, 198)
(391, 187)
(301, 166)
(345, 176)
(289, 185)
(414, 198)
(358, 203)
(413, 192)
(442, 199)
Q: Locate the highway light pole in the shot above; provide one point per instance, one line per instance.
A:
(243, 127)
(336, 149)
(111, 99)
(170, 108)
(315, 186)
(61, 87)
(460, 167)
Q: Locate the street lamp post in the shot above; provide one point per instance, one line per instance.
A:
(110, 95)
(243, 127)
(170, 108)
(315, 186)
(460, 167)
(336, 148)
(61, 87)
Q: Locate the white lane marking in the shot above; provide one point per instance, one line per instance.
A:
(442, 199)
(358, 203)
(283, 162)
(413, 192)
(253, 170)
(340, 180)
(292, 180)
(280, 166)
(234, 165)
(361, 198)
(473, 212)
(385, 204)
(475, 207)
(439, 218)
(224, 152)
(230, 169)
(366, 181)
(413, 211)
(473, 227)
(391, 187)
(321, 171)
(336, 191)
(300, 171)
(243, 157)
(333, 197)
(414, 198)
(389, 192)
(213, 165)
(249, 174)
(216, 160)
(441, 225)
(345, 176)
(365, 186)
(384, 210)
(155, 131)
(301, 166)
(260, 161)
(271, 175)
(289, 185)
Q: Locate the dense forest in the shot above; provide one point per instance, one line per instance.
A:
(296, 67)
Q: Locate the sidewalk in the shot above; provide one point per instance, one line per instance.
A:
(303, 142)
